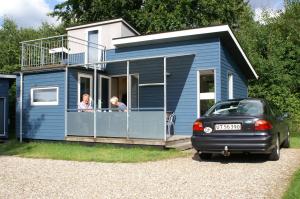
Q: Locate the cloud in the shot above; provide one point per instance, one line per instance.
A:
(272, 7)
(260, 14)
(27, 13)
(267, 4)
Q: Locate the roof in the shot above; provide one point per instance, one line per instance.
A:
(104, 23)
(223, 31)
(5, 76)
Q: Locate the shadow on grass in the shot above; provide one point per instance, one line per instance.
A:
(13, 147)
(234, 158)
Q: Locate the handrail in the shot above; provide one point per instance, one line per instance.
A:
(74, 52)
(116, 109)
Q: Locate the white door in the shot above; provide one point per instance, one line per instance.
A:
(2, 116)
(206, 95)
(104, 92)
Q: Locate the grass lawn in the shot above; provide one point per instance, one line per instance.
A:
(79, 152)
(293, 191)
(295, 140)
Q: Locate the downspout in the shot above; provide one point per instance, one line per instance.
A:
(21, 107)
(165, 99)
(127, 113)
(95, 84)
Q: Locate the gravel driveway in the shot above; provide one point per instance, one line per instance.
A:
(234, 177)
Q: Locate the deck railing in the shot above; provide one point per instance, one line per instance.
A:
(136, 124)
(60, 50)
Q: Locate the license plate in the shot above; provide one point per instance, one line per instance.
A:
(226, 127)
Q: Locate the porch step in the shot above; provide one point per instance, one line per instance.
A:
(181, 146)
(177, 139)
(179, 142)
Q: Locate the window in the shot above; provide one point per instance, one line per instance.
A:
(85, 85)
(242, 107)
(205, 90)
(44, 96)
(230, 86)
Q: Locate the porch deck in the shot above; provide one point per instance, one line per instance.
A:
(171, 142)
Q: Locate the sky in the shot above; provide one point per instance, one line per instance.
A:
(31, 13)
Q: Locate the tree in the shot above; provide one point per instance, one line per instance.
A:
(74, 12)
(273, 48)
(10, 38)
(150, 16)
(170, 15)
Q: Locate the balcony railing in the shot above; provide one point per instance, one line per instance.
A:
(60, 51)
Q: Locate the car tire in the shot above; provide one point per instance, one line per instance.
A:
(205, 156)
(286, 143)
(275, 154)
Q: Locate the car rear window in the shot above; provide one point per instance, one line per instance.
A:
(242, 107)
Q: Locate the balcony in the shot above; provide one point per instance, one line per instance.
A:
(60, 51)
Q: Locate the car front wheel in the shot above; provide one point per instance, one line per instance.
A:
(275, 154)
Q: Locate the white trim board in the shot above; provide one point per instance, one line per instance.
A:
(103, 23)
(8, 76)
(121, 42)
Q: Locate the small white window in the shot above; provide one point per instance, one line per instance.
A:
(230, 86)
(44, 96)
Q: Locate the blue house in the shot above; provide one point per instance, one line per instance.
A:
(166, 80)
(5, 83)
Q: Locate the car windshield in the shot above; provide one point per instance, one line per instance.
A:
(243, 107)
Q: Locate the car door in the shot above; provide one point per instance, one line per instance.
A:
(278, 123)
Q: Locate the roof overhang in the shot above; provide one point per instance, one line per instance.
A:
(104, 23)
(223, 31)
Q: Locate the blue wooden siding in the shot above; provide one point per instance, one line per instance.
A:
(42, 122)
(4, 88)
(47, 122)
(240, 84)
(182, 81)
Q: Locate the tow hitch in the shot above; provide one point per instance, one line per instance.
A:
(226, 153)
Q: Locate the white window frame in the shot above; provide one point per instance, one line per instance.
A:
(4, 117)
(203, 96)
(44, 103)
(79, 88)
(99, 29)
(230, 85)
(100, 91)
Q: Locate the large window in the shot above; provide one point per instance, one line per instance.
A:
(85, 85)
(205, 90)
(44, 96)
